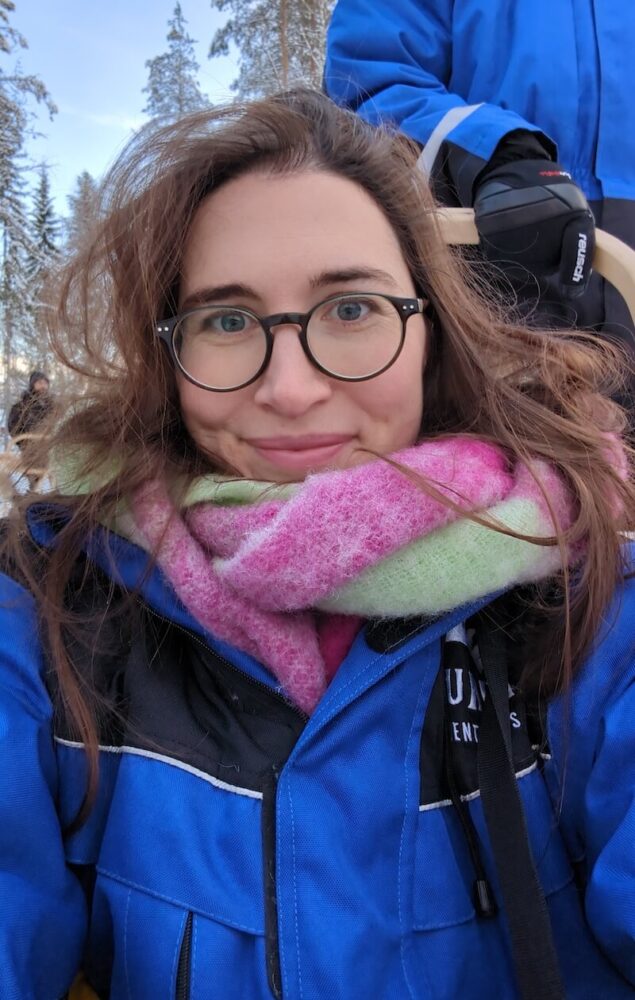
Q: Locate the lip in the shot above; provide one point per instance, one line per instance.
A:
(310, 451)
(305, 442)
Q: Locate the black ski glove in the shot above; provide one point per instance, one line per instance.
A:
(531, 213)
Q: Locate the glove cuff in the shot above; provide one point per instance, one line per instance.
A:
(459, 173)
(518, 145)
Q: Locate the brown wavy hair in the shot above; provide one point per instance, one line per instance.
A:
(537, 394)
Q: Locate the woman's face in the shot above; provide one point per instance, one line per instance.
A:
(290, 242)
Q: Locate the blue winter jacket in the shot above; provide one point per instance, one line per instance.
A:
(564, 67)
(240, 850)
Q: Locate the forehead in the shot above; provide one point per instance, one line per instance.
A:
(263, 228)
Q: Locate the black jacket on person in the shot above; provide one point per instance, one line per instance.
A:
(30, 411)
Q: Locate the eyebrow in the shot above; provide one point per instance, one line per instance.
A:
(238, 290)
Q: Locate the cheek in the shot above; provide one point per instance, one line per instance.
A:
(397, 398)
(202, 410)
(397, 395)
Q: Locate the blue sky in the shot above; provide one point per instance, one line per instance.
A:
(91, 55)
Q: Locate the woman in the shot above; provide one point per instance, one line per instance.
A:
(336, 554)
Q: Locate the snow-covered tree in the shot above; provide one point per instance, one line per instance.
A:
(88, 302)
(172, 87)
(43, 254)
(280, 42)
(16, 293)
(45, 226)
(83, 206)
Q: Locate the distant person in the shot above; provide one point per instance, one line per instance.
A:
(33, 408)
(507, 99)
(28, 416)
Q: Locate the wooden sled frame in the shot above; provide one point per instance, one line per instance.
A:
(614, 260)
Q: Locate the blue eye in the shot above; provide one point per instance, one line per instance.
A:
(352, 310)
(221, 322)
(230, 322)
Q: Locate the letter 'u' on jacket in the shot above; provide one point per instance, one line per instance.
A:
(470, 71)
(240, 849)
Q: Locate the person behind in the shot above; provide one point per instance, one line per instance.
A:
(317, 671)
(30, 416)
(32, 409)
(512, 103)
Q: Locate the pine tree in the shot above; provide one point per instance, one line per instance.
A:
(172, 87)
(43, 252)
(85, 214)
(280, 42)
(16, 248)
(83, 204)
(45, 226)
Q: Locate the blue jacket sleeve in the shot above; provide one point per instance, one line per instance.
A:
(392, 61)
(42, 908)
(609, 832)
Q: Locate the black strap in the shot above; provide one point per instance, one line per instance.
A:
(524, 905)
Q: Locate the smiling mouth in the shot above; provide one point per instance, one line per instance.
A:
(311, 451)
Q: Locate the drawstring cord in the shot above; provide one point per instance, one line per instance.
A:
(483, 897)
(522, 898)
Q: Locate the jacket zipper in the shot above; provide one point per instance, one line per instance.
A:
(183, 973)
(270, 785)
(272, 943)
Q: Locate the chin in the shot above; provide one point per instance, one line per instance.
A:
(362, 457)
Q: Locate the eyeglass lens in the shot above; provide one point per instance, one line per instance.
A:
(351, 336)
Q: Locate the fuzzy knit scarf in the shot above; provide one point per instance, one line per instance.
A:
(263, 566)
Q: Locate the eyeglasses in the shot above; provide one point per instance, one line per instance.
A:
(352, 337)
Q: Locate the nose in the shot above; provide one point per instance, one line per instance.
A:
(291, 385)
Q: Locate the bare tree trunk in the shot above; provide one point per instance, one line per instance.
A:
(283, 35)
(7, 337)
(313, 64)
(7, 400)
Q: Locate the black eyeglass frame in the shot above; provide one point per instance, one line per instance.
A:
(405, 308)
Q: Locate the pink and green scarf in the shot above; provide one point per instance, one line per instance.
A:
(286, 573)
